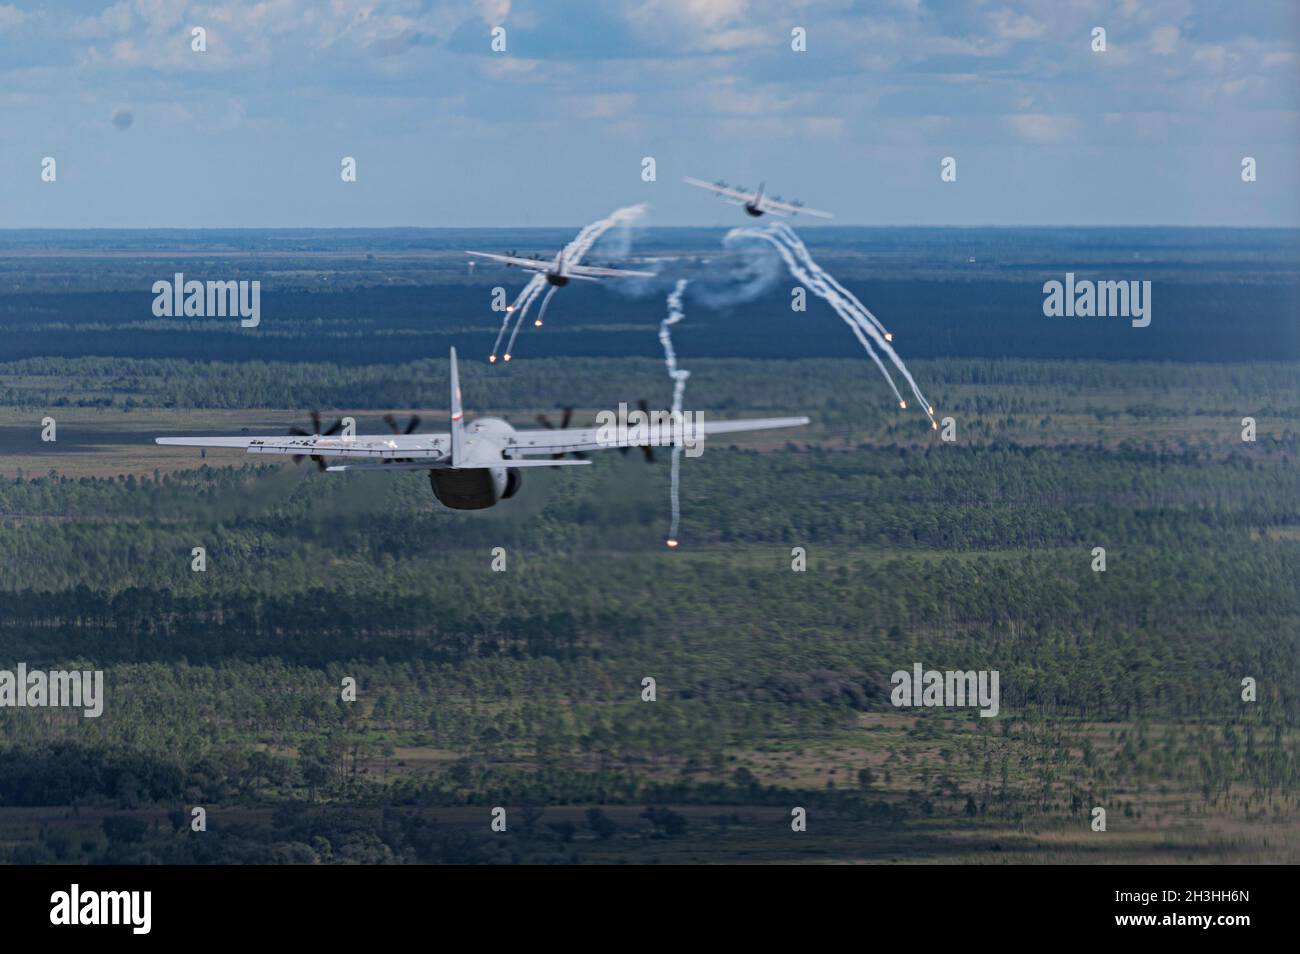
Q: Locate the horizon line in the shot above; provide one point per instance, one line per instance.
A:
(579, 225)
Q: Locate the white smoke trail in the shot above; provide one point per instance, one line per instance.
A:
(822, 289)
(675, 314)
(572, 255)
(855, 314)
(522, 309)
(526, 296)
(758, 269)
(882, 337)
(541, 314)
(581, 245)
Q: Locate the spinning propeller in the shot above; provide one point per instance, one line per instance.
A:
(545, 421)
(315, 432)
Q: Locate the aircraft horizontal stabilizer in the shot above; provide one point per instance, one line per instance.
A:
(444, 466)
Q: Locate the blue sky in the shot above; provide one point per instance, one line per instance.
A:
(553, 131)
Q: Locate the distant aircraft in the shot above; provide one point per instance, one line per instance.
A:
(558, 272)
(475, 466)
(756, 203)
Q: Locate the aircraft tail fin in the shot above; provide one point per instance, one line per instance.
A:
(457, 415)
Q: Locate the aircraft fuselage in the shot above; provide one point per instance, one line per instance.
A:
(477, 488)
(556, 279)
(753, 209)
(474, 488)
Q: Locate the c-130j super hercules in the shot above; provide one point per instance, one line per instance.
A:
(475, 465)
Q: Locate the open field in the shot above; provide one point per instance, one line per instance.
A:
(1201, 412)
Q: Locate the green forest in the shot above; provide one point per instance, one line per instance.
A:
(523, 688)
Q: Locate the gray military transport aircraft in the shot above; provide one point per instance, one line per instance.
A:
(756, 203)
(476, 465)
(559, 270)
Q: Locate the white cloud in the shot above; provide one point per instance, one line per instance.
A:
(1013, 26)
(605, 105)
(1043, 128)
(1164, 40)
(243, 34)
(10, 16)
(731, 101)
(1213, 55)
(712, 26)
(492, 12)
(824, 127)
(706, 14)
(959, 46)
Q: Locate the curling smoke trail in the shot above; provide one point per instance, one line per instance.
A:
(675, 314)
(571, 255)
(525, 297)
(855, 314)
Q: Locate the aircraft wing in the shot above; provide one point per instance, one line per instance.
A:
(718, 188)
(375, 447)
(429, 466)
(556, 441)
(537, 265)
(594, 271)
(433, 451)
(781, 207)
